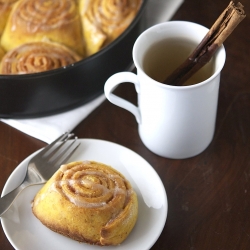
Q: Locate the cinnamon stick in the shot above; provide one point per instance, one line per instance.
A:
(218, 33)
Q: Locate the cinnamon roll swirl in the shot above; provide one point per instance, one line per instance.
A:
(5, 8)
(104, 20)
(37, 57)
(88, 202)
(42, 20)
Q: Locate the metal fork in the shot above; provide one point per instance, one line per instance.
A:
(42, 166)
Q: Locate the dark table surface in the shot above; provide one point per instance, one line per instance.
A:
(208, 195)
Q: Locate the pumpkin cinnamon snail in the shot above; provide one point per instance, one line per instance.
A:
(104, 20)
(37, 57)
(88, 202)
(44, 20)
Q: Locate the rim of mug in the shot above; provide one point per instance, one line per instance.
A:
(221, 50)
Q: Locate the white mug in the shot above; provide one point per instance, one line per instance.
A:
(173, 121)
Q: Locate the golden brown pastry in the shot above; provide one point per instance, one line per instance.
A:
(88, 202)
(40, 20)
(2, 53)
(5, 8)
(37, 57)
(104, 20)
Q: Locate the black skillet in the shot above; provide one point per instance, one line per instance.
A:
(55, 91)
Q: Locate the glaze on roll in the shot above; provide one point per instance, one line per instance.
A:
(84, 26)
(40, 20)
(104, 20)
(37, 57)
(89, 202)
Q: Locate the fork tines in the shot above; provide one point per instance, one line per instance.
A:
(60, 149)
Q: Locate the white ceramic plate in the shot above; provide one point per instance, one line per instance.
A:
(25, 232)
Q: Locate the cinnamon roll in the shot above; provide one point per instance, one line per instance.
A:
(44, 20)
(104, 20)
(5, 8)
(37, 57)
(88, 202)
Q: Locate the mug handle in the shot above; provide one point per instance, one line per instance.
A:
(116, 80)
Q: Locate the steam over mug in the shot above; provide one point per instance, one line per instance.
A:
(173, 121)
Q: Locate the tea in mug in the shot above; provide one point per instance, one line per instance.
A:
(165, 56)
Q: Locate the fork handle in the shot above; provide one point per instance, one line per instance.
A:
(8, 199)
